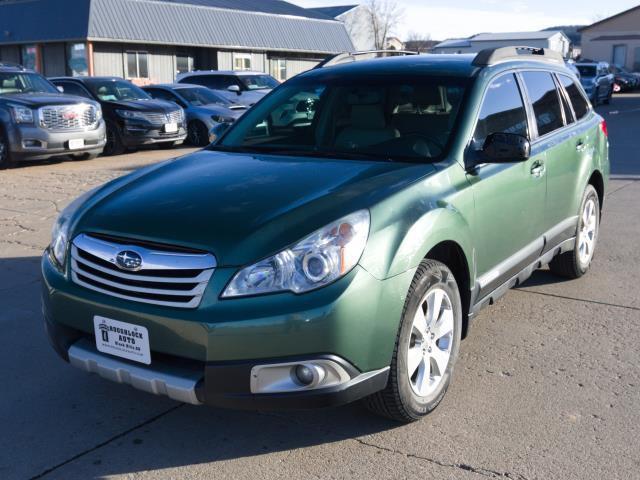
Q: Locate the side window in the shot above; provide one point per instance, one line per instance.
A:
(502, 110)
(568, 113)
(545, 100)
(580, 105)
(71, 88)
(160, 94)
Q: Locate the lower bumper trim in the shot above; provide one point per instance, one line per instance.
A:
(176, 382)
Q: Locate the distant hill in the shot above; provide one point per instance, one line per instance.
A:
(570, 31)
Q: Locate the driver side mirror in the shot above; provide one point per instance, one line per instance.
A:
(506, 148)
(234, 88)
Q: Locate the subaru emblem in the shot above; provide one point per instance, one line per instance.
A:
(128, 260)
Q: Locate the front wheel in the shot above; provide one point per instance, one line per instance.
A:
(114, 145)
(576, 263)
(197, 134)
(426, 346)
(5, 153)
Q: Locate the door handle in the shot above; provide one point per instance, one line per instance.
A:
(580, 146)
(538, 169)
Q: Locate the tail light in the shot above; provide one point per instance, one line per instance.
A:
(603, 127)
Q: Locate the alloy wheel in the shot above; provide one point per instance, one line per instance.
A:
(588, 232)
(430, 342)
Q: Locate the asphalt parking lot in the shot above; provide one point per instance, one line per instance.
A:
(547, 385)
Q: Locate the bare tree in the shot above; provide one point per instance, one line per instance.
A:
(384, 17)
(419, 42)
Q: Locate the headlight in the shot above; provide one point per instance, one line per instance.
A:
(131, 114)
(60, 231)
(22, 114)
(316, 261)
(222, 119)
(98, 113)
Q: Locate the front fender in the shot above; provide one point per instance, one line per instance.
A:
(405, 229)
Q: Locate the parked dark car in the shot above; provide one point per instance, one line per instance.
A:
(597, 81)
(244, 87)
(38, 122)
(132, 117)
(203, 107)
(625, 81)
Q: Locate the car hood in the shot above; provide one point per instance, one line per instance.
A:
(240, 207)
(215, 110)
(144, 105)
(36, 100)
(246, 97)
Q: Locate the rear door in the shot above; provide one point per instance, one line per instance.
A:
(509, 197)
(555, 139)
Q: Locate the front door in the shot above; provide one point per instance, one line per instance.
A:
(509, 197)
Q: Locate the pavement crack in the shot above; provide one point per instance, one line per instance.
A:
(106, 442)
(564, 297)
(609, 194)
(485, 472)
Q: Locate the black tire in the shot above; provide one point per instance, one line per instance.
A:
(570, 264)
(114, 145)
(5, 154)
(197, 134)
(398, 400)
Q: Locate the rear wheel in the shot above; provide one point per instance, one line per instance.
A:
(576, 263)
(197, 134)
(426, 346)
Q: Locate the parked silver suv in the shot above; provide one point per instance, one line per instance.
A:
(38, 122)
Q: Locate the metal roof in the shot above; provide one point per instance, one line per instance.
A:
(333, 12)
(488, 37)
(253, 24)
(454, 43)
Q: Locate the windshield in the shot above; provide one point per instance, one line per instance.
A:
(353, 118)
(116, 90)
(20, 82)
(587, 70)
(202, 96)
(258, 82)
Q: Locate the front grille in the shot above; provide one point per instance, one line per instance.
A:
(162, 118)
(68, 117)
(168, 278)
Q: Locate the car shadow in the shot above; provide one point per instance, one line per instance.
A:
(64, 416)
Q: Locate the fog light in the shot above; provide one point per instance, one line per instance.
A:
(304, 375)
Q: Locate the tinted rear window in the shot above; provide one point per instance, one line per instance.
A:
(544, 97)
(580, 105)
(587, 70)
(215, 82)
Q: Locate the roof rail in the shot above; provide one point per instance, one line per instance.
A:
(346, 57)
(12, 65)
(491, 56)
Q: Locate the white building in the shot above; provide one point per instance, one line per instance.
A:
(551, 39)
(356, 20)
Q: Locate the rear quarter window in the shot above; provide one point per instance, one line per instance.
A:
(545, 100)
(580, 105)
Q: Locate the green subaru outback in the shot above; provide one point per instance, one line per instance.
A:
(337, 241)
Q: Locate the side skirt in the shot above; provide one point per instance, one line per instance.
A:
(516, 280)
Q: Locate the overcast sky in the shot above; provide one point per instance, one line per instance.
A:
(460, 18)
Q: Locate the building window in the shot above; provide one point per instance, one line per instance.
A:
(183, 63)
(279, 69)
(137, 65)
(77, 59)
(242, 61)
(29, 57)
(619, 55)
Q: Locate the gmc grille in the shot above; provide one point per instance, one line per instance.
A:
(68, 117)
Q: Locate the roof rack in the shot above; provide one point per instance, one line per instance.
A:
(12, 65)
(491, 56)
(346, 57)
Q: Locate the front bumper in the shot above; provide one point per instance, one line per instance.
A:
(353, 322)
(28, 142)
(136, 133)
